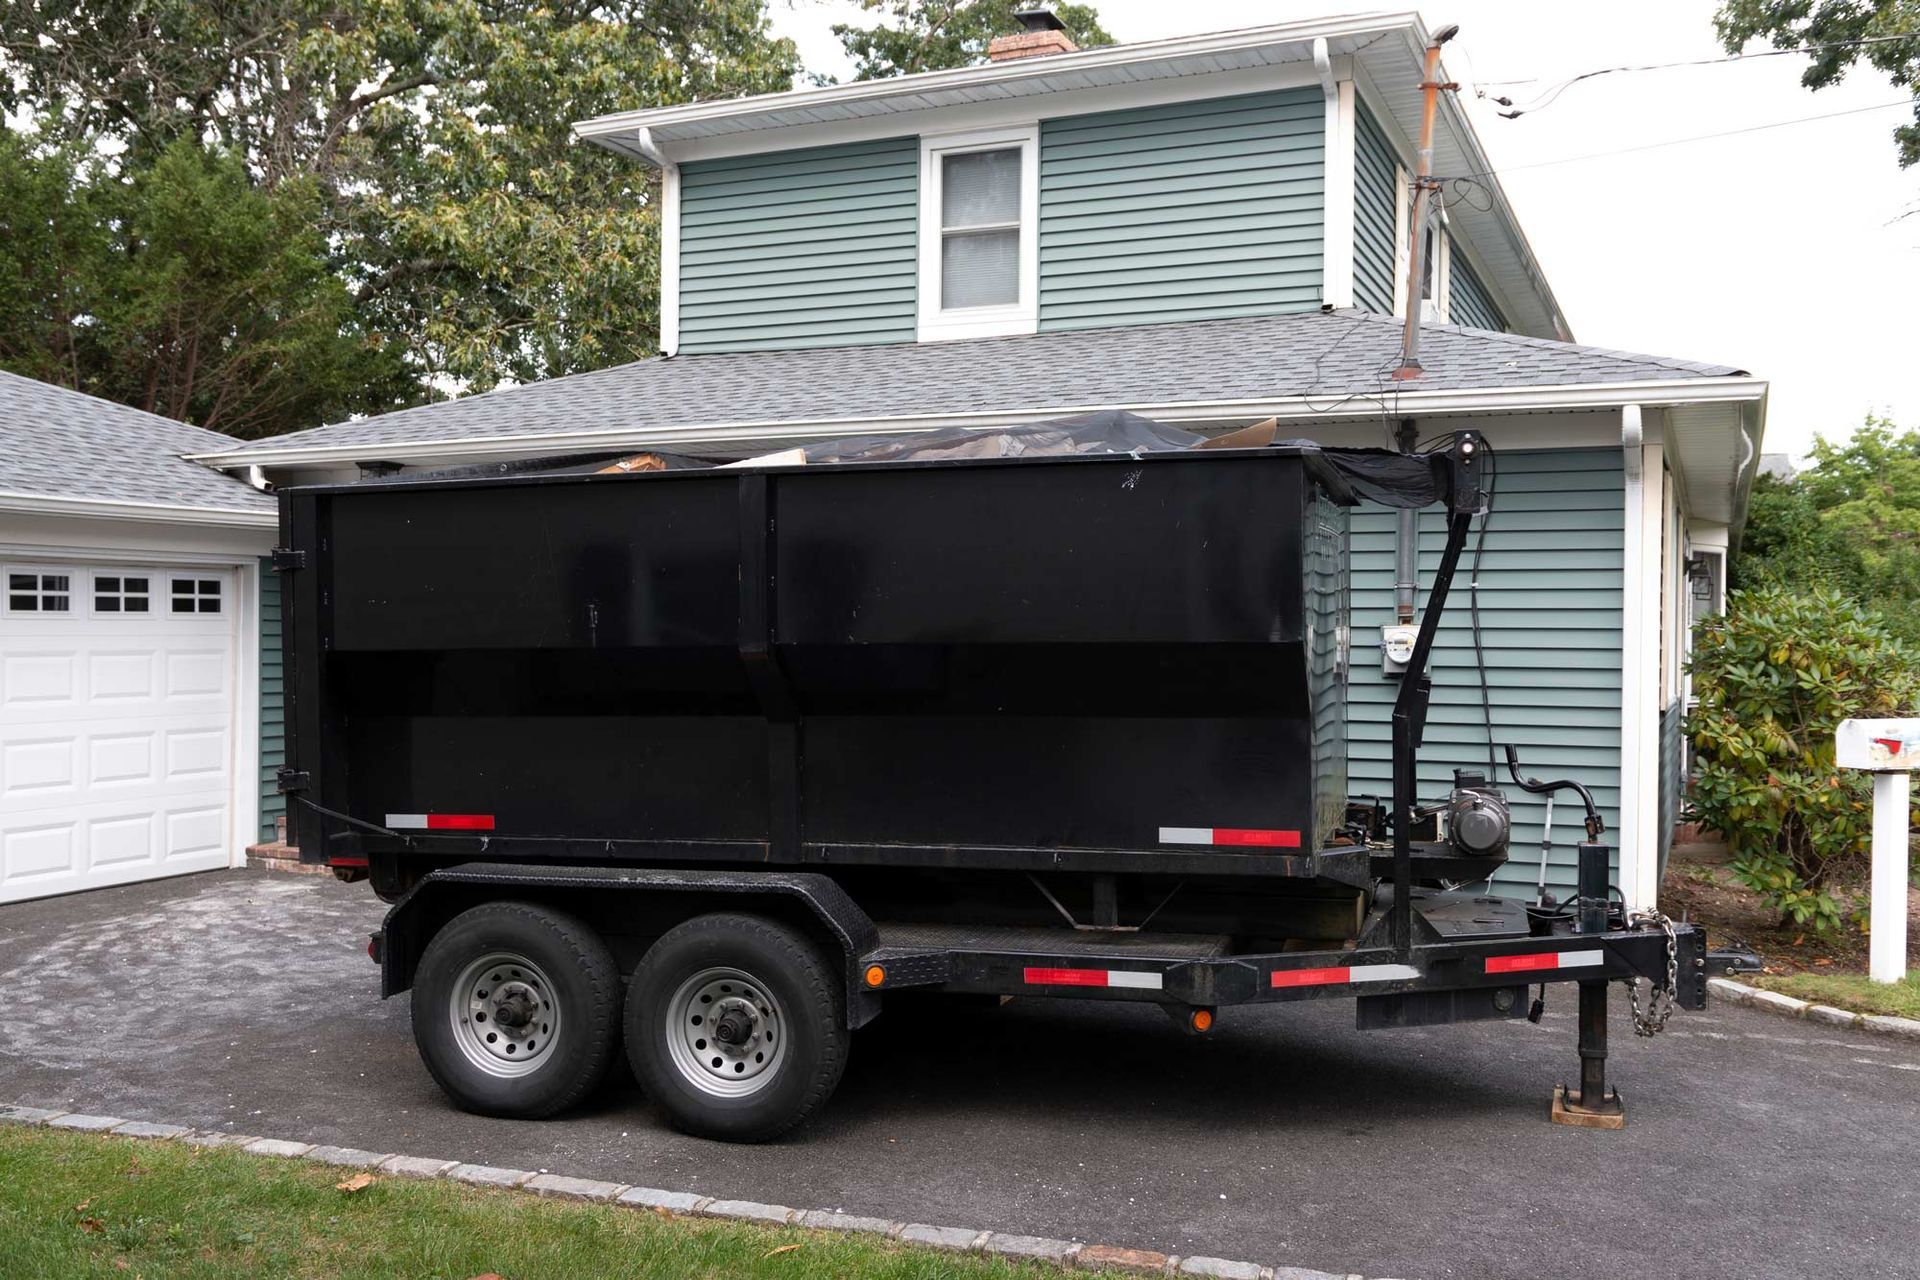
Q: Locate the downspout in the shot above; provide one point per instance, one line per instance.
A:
(1406, 546)
(1423, 188)
(644, 143)
(1633, 670)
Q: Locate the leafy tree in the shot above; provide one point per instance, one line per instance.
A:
(931, 35)
(1788, 544)
(433, 137)
(1775, 674)
(183, 289)
(1843, 26)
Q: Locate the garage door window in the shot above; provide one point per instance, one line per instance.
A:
(39, 593)
(196, 595)
(115, 593)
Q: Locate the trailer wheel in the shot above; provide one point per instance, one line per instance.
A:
(736, 1026)
(516, 1009)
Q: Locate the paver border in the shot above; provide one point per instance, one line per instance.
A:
(1774, 1002)
(1012, 1246)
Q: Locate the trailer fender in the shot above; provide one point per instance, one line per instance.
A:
(837, 920)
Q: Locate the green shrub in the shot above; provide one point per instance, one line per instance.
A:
(1774, 675)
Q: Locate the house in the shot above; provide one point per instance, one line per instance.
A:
(133, 641)
(1210, 231)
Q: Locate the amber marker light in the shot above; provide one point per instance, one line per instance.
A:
(875, 975)
(1202, 1020)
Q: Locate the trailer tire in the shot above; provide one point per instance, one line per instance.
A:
(545, 972)
(779, 1041)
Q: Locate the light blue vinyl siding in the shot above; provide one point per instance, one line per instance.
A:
(1468, 302)
(273, 713)
(1192, 211)
(1374, 216)
(1550, 608)
(811, 248)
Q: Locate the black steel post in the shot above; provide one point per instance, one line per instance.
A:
(1409, 727)
(1593, 1043)
(1592, 878)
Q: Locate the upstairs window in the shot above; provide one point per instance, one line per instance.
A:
(979, 214)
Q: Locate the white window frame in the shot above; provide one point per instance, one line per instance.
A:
(198, 596)
(77, 586)
(122, 594)
(937, 323)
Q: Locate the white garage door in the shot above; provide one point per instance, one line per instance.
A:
(116, 724)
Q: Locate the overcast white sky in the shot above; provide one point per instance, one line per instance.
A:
(1776, 251)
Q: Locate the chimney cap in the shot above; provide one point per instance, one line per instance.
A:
(1039, 18)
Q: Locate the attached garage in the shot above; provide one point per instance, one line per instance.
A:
(129, 647)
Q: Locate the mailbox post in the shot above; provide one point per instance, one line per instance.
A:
(1891, 749)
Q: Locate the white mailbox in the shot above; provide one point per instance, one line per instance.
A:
(1879, 745)
(1890, 748)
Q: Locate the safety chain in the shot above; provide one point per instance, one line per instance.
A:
(1660, 997)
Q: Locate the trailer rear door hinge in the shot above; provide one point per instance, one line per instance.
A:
(291, 780)
(288, 558)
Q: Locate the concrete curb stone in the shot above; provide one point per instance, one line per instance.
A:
(417, 1166)
(1063, 1253)
(27, 1115)
(747, 1211)
(1034, 1248)
(832, 1220)
(143, 1129)
(486, 1175)
(1772, 1001)
(560, 1187)
(671, 1201)
(350, 1157)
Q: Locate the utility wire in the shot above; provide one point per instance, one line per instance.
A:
(1547, 97)
(1671, 142)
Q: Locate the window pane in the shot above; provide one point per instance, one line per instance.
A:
(53, 582)
(981, 269)
(209, 606)
(106, 604)
(24, 604)
(53, 604)
(979, 188)
(183, 604)
(20, 582)
(209, 587)
(106, 584)
(136, 604)
(137, 585)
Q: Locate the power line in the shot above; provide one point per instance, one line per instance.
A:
(1674, 142)
(1547, 97)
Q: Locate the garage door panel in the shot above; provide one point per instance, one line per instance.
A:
(117, 732)
(38, 853)
(36, 767)
(126, 839)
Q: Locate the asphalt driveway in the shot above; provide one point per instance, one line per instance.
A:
(1757, 1146)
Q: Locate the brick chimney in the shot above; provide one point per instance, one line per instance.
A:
(1041, 33)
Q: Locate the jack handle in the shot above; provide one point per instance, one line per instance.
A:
(1595, 827)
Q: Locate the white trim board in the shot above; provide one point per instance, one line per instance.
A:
(1330, 408)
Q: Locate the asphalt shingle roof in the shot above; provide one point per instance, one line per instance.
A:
(1338, 354)
(58, 443)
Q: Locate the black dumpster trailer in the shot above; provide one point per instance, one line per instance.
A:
(722, 762)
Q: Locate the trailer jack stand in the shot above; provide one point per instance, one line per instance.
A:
(1593, 1105)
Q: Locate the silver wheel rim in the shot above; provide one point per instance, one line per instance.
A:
(726, 1033)
(504, 1015)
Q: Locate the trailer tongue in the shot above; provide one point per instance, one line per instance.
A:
(766, 748)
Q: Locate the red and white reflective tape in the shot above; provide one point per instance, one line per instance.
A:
(1344, 974)
(1093, 978)
(440, 821)
(1545, 960)
(1237, 837)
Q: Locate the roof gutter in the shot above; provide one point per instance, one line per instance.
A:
(40, 504)
(616, 130)
(1302, 408)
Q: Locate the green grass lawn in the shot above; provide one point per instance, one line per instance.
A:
(75, 1205)
(1850, 991)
